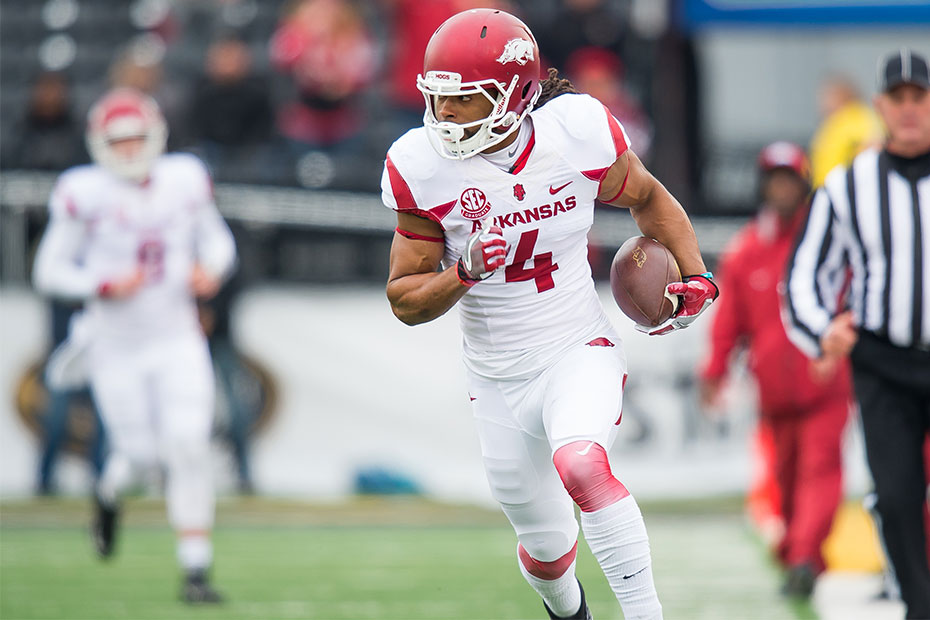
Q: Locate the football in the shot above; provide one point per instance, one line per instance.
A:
(641, 270)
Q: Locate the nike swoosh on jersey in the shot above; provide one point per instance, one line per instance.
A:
(585, 451)
(556, 190)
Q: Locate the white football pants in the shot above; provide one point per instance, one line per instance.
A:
(156, 401)
(522, 423)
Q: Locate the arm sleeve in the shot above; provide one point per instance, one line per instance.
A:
(728, 325)
(814, 276)
(216, 247)
(58, 270)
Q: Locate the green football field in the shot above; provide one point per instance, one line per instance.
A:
(371, 558)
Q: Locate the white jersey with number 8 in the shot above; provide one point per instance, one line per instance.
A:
(103, 229)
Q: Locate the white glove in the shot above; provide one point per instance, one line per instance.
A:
(485, 252)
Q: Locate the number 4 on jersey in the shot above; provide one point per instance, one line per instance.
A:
(542, 268)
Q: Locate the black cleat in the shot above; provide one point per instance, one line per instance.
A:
(103, 528)
(799, 582)
(196, 589)
(583, 612)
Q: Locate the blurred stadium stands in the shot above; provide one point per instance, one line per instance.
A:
(714, 95)
(299, 235)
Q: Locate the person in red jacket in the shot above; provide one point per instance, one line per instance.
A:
(803, 403)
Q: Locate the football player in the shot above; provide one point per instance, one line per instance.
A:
(137, 236)
(494, 199)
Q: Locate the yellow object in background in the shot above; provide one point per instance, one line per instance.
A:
(843, 135)
(853, 544)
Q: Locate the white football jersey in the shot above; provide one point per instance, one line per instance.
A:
(102, 228)
(543, 300)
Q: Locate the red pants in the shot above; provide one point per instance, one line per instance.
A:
(808, 468)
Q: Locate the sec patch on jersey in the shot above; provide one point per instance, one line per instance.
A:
(640, 272)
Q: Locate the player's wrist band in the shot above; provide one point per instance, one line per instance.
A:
(709, 276)
(463, 276)
(105, 289)
(417, 236)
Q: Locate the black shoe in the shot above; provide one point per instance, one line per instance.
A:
(197, 590)
(583, 612)
(103, 528)
(799, 583)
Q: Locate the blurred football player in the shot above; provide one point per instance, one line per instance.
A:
(494, 198)
(138, 237)
(803, 404)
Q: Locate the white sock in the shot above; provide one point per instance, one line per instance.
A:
(617, 537)
(562, 595)
(195, 552)
(117, 476)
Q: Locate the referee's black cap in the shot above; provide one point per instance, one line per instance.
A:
(903, 67)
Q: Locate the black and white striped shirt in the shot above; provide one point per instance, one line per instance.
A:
(872, 219)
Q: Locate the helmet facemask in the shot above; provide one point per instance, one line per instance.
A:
(450, 139)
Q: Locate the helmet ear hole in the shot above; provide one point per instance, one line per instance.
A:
(526, 89)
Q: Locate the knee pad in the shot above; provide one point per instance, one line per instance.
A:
(546, 570)
(585, 471)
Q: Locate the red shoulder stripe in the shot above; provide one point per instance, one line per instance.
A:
(439, 212)
(402, 194)
(616, 132)
(597, 174)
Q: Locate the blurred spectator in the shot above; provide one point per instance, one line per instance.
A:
(599, 72)
(804, 403)
(326, 47)
(47, 137)
(412, 23)
(581, 23)
(57, 418)
(231, 117)
(849, 126)
(140, 66)
(239, 410)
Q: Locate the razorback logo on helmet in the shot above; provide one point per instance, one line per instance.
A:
(474, 203)
(518, 50)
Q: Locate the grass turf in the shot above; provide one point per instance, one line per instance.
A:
(372, 559)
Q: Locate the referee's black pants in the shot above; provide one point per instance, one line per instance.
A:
(893, 389)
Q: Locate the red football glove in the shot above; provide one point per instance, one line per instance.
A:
(695, 294)
(485, 252)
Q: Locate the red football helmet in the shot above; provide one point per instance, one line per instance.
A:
(486, 52)
(121, 114)
(784, 155)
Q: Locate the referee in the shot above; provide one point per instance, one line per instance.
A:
(872, 220)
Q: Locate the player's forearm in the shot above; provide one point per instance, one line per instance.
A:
(55, 272)
(661, 217)
(65, 282)
(216, 247)
(421, 297)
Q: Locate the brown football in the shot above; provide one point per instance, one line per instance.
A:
(639, 273)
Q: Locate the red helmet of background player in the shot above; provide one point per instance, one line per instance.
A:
(479, 52)
(784, 155)
(122, 114)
